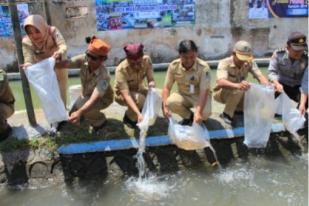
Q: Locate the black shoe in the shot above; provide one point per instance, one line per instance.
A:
(240, 113)
(4, 135)
(278, 116)
(226, 118)
(187, 121)
(61, 125)
(97, 128)
(130, 123)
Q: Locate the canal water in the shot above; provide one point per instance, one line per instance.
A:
(257, 181)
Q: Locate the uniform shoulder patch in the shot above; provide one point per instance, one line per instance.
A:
(203, 63)
(176, 61)
(174, 64)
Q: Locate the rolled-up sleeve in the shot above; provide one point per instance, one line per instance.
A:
(273, 68)
(149, 71)
(28, 54)
(304, 83)
(255, 71)
(102, 86)
(222, 72)
(76, 61)
(121, 82)
(169, 79)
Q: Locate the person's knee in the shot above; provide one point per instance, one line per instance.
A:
(140, 100)
(172, 103)
(218, 96)
(238, 93)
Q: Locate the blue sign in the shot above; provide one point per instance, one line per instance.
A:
(6, 29)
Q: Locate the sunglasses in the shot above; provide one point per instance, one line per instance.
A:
(96, 58)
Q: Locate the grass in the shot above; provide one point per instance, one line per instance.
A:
(75, 134)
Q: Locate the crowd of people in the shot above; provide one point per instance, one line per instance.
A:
(288, 72)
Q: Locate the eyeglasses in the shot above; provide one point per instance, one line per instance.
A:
(96, 58)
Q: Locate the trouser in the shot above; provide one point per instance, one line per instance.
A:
(182, 104)
(292, 92)
(62, 77)
(232, 98)
(139, 99)
(94, 116)
(6, 110)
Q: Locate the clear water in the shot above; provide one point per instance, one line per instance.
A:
(259, 181)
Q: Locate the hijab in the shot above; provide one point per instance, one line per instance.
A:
(47, 46)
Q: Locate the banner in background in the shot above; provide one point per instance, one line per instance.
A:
(288, 8)
(132, 14)
(264, 9)
(5, 19)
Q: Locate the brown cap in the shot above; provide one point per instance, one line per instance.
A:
(134, 51)
(243, 51)
(297, 41)
(98, 47)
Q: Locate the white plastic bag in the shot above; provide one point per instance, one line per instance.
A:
(44, 81)
(188, 137)
(151, 109)
(259, 108)
(74, 93)
(291, 116)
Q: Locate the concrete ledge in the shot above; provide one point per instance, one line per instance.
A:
(152, 141)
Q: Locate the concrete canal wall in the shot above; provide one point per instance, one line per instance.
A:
(218, 25)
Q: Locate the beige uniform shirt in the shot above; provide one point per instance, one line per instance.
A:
(189, 82)
(99, 79)
(33, 55)
(6, 95)
(130, 79)
(228, 70)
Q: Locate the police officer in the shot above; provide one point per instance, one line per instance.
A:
(129, 82)
(97, 93)
(193, 80)
(6, 105)
(287, 66)
(231, 82)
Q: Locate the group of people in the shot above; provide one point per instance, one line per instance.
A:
(192, 100)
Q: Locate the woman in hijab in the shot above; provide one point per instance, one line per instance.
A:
(43, 41)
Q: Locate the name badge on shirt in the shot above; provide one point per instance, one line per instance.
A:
(191, 90)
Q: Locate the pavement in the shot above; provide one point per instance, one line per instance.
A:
(23, 130)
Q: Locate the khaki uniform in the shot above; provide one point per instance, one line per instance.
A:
(233, 98)
(189, 83)
(6, 101)
(127, 78)
(33, 55)
(98, 80)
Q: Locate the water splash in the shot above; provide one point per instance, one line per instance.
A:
(140, 153)
(148, 188)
